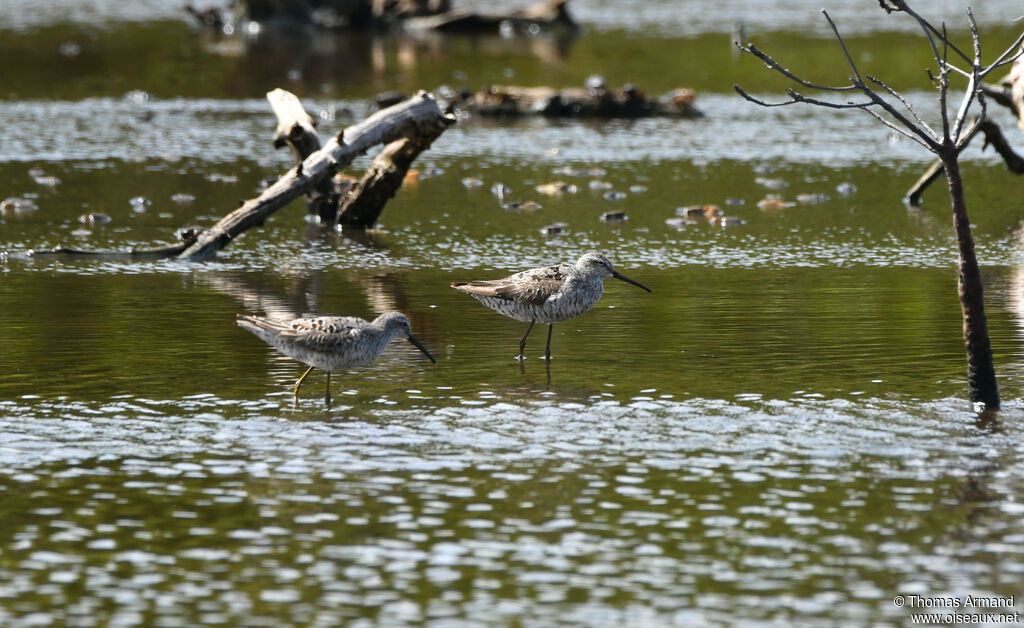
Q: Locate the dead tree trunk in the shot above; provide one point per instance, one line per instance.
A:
(893, 110)
(993, 137)
(415, 117)
(981, 374)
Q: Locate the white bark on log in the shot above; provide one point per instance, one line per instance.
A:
(294, 126)
(419, 114)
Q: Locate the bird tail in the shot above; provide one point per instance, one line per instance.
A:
(475, 288)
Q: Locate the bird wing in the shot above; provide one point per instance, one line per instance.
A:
(319, 333)
(533, 286)
(323, 333)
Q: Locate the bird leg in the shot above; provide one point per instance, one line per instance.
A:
(547, 350)
(522, 343)
(298, 384)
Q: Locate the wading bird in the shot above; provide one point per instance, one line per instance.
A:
(331, 343)
(547, 295)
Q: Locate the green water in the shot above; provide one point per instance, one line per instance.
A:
(777, 434)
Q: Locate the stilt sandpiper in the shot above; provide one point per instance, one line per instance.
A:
(547, 295)
(331, 343)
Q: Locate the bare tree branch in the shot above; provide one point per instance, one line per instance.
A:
(895, 127)
(774, 65)
(906, 103)
(842, 44)
(1008, 57)
(929, 29)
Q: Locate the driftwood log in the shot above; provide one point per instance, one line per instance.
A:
(549, 16)
(383, 15)
(417, 120)
(343, 202)
(593, 101)
(295, 129)
(415, 117)
(362, 205)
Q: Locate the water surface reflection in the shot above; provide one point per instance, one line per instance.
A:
(599, 512)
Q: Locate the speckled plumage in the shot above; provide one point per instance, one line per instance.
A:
(546, 295)
(331, 343)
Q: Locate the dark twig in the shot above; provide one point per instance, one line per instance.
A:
(906, 103)
(774, 65)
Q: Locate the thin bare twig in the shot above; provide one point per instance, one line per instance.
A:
(895, 127)
(906, 103)
(1008, 57)
(928, 28)
(973, 81)
(842, 45)
(774, 65)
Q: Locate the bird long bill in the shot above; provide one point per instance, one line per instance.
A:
(628, 280)
(419, 346)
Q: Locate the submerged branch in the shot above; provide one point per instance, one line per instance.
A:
(415, 116)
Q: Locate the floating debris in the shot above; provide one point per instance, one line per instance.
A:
(17, 205)
(772, 203)
(615, 216)
(500, 190)
(472, 182)
(582, 102)
(580, 172)
(690, 211)
(94, 218)
(188, 234)
(70, 49)
(182, 198)
(615, 196)
(596, 82)
(39, 176)
(727, 221)
(557, 188)
(699, 211)
(772, 184)
(526, 206)
(555, 229)
(140, 204)
(138, 97)
(597, 184)
(47, 180)
(846, 189)
(812, 199)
